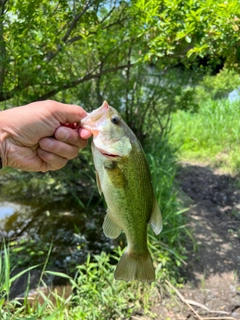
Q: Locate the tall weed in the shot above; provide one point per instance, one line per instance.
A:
(168, 249)
(6, 281)
(95, 295)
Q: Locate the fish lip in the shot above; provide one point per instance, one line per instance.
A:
(108, 155)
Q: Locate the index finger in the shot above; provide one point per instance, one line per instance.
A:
(65, 113)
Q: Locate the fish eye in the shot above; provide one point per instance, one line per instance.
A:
(115, 119)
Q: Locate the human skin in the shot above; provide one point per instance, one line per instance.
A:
(41, 136)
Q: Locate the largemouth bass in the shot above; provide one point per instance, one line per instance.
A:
(123, 176)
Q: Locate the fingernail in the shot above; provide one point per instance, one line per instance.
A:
(62, 134)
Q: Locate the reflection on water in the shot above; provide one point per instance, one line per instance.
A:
(7, 209)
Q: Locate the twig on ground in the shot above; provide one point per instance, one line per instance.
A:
(184, 300)
(219, 318)
(197, 304)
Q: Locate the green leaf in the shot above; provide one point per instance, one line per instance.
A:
(188, 39)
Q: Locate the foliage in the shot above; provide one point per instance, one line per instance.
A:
(106, 293)
(95, 295)
(211, 135)
(84, 52)
(217, 87)
(169, 246)
(180, 29)
(6, 282)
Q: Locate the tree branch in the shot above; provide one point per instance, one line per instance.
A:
(73, 24)
(108, 14)
(74, 83)
(128, 114)
(4, 96)
(75, 20)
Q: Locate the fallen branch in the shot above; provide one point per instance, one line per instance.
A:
(220, 318)
(197, 304)
(184, 300)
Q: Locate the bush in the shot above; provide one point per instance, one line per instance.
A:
(217, 87)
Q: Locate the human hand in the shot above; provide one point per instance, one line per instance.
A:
(41, 136)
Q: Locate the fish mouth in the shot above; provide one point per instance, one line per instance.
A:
(108, 155)
(92, 120)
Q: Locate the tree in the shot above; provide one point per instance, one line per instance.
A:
(86, 51)
(50, 46)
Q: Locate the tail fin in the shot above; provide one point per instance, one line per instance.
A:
(132, 266)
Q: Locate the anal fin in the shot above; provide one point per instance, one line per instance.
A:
(110, 228)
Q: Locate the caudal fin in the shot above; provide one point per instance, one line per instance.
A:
(132, 266)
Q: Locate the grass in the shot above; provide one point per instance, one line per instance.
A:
(212, 135)
(95, 295)
(163, 166)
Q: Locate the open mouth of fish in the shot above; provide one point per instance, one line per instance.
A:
(104, 153)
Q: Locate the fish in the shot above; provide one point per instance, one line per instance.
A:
(123, 177)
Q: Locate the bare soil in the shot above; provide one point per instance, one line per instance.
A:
(213, 270)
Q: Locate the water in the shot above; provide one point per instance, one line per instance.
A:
(7, 209)
(35, 226)
(234, 95)
(60, 228)
(61, 225)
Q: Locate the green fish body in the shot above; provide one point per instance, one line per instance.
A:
(123, 176)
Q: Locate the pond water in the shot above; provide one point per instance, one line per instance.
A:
(63, 225)
(42, 224)
(7, 209)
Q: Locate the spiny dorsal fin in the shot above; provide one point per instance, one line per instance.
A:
(156, 218)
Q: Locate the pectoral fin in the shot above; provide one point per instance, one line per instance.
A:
(156, 218)
(98, 183)
(110, 228)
